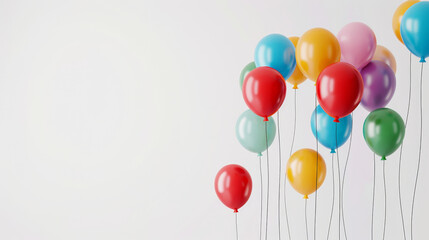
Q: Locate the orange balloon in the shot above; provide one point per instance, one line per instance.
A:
(397, 17)
(297, 77)
(383, 54)
(316, 49)
(301, 171)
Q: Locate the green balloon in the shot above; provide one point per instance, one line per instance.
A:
(384, 131)
(250, 131)
(249, 67)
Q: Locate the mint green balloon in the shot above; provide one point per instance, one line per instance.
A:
(250, 132)
(384, 131)
(249, 67)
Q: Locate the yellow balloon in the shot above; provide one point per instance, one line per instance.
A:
(383, 54)
(301, 171)
(297, 77)
(397, 17)
(317, 49)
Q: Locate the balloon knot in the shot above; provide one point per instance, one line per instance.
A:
(266, 119)
(235, 210)
(259, 154)
(422, 60)
(305, 196)
(336, 120)
(295, 86)
(383, 157)
(332, 150)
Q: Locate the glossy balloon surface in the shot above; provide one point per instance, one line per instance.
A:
(326, 129)
(339, 89)
(357, 43)
(379, 82)
(278, 52)
(264, 91)
(301, 171)
(415, 29)
(233, 186)
(397, 17)
(384, 131)
(250, 132)
(317, 49)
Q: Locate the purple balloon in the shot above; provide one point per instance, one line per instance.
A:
(379, 85)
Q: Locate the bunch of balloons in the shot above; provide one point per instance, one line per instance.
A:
(348, 69)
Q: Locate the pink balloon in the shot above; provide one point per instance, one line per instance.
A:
(358, 44)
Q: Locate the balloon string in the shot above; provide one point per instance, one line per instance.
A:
(280, 173)
(262, 192)
(339, 183)
(317, 168)
(268, 183)
(294, 126)
(236, 226)
(400, 159)
(342, 184)
(305, 214)
(385, 198)
(290, 154)
(373, 202)
(333, 195)
(420, 149)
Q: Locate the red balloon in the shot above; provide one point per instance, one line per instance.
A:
(233, 186)
(339, 89)
(264, 90)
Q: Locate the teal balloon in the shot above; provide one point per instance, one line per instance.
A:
(250, 132)
(278, 52)
(326, 129)
(415, 29)
(383, 131)
(249, 67)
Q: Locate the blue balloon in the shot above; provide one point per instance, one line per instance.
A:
(278, 52)
(415, 29)
(250, 132)
(326, 129)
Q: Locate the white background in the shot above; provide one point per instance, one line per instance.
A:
(117, 115)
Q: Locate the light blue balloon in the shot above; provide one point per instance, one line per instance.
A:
(415, 29)
(326, 129)
(278, 52)
(250, 132)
